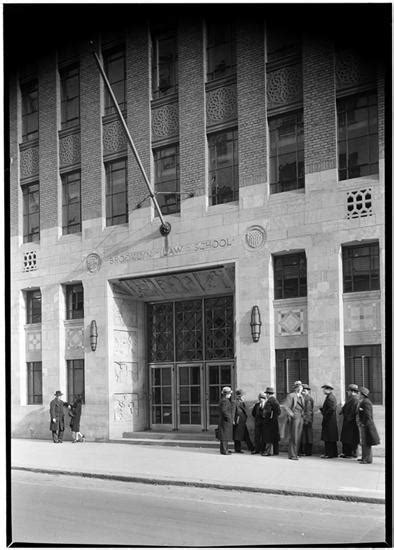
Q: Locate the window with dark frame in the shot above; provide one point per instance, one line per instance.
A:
(29, 93)
(360, 265)
(164, 64)
(115, 69)
(34, 383)
(282, 41)
(74, 301)
(223, 166)
(221, 50)
(31, 212)
(363, 366)
(166, 161)
(71, 202)
(358, 145)
(75, 380)
(291, 365)
(33, 306)
(290, 276)
(116, 202)
(286, 152)
(69, 86)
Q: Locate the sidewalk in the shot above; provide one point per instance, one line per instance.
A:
(342, 479)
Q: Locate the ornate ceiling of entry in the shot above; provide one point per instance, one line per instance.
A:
(218, 280)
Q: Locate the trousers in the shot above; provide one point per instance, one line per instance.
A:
(57, 435)
(330, 449)
(223, 447)
(349, 450)
(366, 450)
(238, 443)
(296, 425)
(258, 438)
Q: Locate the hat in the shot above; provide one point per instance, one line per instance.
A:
(58, 393)
(306, 387)
(352, 387)
(262, 394)
(297, 384)
(363, 391)
(269, 390)
(227, 389)
(239, 392)
(328, 386)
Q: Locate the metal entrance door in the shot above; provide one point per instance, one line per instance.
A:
(190, 396)
(162, 397)
(217, 376)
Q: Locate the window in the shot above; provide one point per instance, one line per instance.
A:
(357, 135)
(69, 85)
(117, 210)
(167, 178)
(363, 366)
(290, 275)
(223, 166)
(286, 152)
(115, 69)
(291, 365)
(75, 380)
(221, 53)
(74, 301)
(282, 41)
(360, 267)
(34, 383)
(164, 65)
(71, 202)
(31, 213)
(33, 306)
(29, 110)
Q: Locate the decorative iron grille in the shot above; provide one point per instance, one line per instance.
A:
(219, 328)
(188, 333)
(161, 333)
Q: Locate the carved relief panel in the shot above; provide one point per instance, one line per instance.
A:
(291, 323)
(29, 162)
(221, 105)
(75, 346)
(125, 406)
(114, 138)
(33, 342)
(352, 70)
(165, 121)
(70, 149)
(284, 86)
(125, 345)
(362, 316)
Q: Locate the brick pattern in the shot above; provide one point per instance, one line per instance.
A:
(252, 121)
(381, 112)
(319, 106)
(14, 158)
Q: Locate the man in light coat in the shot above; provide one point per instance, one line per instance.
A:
(307, 431)
(56, 412)
(294, 407)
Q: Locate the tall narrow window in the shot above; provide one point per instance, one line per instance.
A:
(164, 64)
(33, 306)
(29, 110)
(34, 383)
(75, 379)
(71, 205)
(221, 52)
(363, 366)
(167, 178)
(31, 212)
(69, 80)
(223, 166)
(358, 136)
(290, 275)
(360, 267)
(74, 301)
(282, 41)
(117, 210)
(286, 152)
(115, 68)
(291, 365)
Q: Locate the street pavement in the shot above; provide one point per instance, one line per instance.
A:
(340, 479)
(53, 509)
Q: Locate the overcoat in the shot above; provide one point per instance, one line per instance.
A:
(240, 419)
(271, 413)
(307, 433)
(366, 421)
(226, 417)
(257, 413)
(75, 413)
(56, 411)
(350, 434)
(329, 427)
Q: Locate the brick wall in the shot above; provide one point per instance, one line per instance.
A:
(381, 111)
(14, 157)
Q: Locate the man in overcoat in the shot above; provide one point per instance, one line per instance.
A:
(56, 412)
(350, 434)
(294, 407)
(258, 415)
(368, 432)
(241, 432)
(271, 414)
(329, 432)
(226, 420)
(307, 432)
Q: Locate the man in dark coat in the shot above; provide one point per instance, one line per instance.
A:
(258, 415)
(56, 412)
(271, 413)
(329, 431)
(75, 414)
(307, 432)
(226, 420)
(241, 432)
(369, 434)
(294, 406)
(350, 434)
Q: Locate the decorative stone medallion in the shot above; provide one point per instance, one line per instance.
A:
(93, 263)
(255, 237)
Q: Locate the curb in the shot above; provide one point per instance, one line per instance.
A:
(203, 485)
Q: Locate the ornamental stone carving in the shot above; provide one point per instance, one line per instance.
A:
(291, 323)
(93, 263)
(114, 138)
(30, 261)
(221, 105)
(165, 121)
(359, 204)
(351, 69)
(29, 162)
(124, 345)
(284, 86)
(74, 339)
(34, 341)
(255, 237)
(362, 316)
(124, 406)
(70, 149)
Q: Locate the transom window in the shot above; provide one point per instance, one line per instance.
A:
(223, 166)
(71, 202)
(290, 275)
(75, 379)
(360, 267)
(167, 178)
(221, 52)
(117, 210)
(291, 365)
(33, 306)
(74, 301)
(31, 212)
(164, 64)
(115, 69)
(34, 383)
(29, 110)
(69, 81)
(358, 136)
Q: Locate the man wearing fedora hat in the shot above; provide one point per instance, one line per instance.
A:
(294, 407)
(241, 432)
(307, 432)
(329, 431)
(258, 415)
(271, 412)
(368, 431)
(350, 434)
(56, 412)
(226, 420)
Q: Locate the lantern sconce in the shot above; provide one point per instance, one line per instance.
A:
(255, 323)
(93, 335)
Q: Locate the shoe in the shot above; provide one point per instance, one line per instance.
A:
(364, 462)
(83, 439)
(60, 441)
(293, 458)
(74, 441)
(255, 452)
(359, 460)
(308, 454)
(265, 454)
(240, 452)
(302, 454)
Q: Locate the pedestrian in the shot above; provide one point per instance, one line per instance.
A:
(294, 407)
(368, 431)
(271, 414)
(329, 431)
(56, 412)
(241, 432)
(257, 413)
(307, 426)
(226, 420)
(75, 414)
(350, 433)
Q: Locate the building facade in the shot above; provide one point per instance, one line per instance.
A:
(266, 150)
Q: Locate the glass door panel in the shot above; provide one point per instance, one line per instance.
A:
(190, 396)
(162, 410)
(217, 376)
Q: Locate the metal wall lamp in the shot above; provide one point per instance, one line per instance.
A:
(93, 335)
(255, 323)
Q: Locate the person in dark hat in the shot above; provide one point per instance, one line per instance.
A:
(271, 412)
(56, 412)
(307, 432)
(294, 407)
(329, 432)
(226, 420)
(241, 432)
(350, 434)
(258, 415)
(368, 431)
(75, 415)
